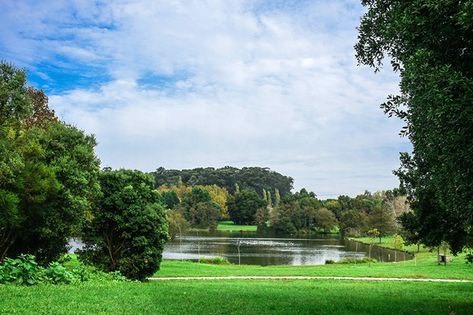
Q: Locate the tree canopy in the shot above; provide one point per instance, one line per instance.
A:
(128, 229)
(255, 178)
(48, 172)
(430, 43)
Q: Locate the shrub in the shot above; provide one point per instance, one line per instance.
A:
(23, 270)
(58, 274)
(214, 260)
(364, 260)
(469, 258)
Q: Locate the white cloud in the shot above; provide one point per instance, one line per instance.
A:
(271, 86)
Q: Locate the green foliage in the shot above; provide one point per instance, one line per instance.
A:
(353, 222)
(243, 206)
(296, 213)
(48, 173)
(214, 260)
(129, 228)
(430, 43)
(169, 199)
(199, 209)
(58, 274)
(382, 219)
(178, 225)
(325, 220)
(398, 242)
(364, 260)
(23, 270)
(15, 105)
(230, 178)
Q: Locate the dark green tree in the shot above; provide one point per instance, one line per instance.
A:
(430, 44)
(199, 209)
(243, 206)
(48, 172)
(128, 229)
(325, 220)
(169, 199)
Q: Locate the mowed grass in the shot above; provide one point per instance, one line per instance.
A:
(230, 226)
(240, 297)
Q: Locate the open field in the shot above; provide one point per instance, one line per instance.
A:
(230, 226)
(240, 297)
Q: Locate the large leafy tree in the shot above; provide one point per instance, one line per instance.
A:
(430, 43)
(128, 229)
(48, 172)
(243, 206)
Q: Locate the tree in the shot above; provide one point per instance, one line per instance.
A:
(48, 173)
(243, 206)
(177, 223)
(353, 222)
(430, 44)
(169, 199)
(382, 219)
(199, 209)
(128, 229)
(325, 219)
(15, 105)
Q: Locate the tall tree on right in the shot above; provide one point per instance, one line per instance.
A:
(430, 44)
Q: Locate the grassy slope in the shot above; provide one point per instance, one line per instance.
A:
(240, 297)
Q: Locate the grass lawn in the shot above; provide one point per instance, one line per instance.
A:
(240, 297)
(230, 226)
(259, 296)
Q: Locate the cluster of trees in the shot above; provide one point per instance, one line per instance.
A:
(255, 178)
(52, 189)
(302, 212)
(430, 44)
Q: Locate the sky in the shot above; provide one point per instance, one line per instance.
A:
(185, 84)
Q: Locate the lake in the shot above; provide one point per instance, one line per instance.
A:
(250, 249)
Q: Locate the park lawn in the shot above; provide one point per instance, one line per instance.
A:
(230, 226)
(240, 297)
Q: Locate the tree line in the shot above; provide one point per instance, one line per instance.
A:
(254, 178)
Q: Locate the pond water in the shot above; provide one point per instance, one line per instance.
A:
(250, 249)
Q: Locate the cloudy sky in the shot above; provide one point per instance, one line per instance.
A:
(184, 84)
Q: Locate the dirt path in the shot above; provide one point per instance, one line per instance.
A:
(307, 278)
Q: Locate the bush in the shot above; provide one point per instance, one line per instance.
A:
(23, 270)
(469, 258)
(58, 274)
(214, 260)
(364, 260)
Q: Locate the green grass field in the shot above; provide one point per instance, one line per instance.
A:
(240, 297)
(259, 296)
(230, 226)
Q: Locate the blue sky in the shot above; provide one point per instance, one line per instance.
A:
(185, 84)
